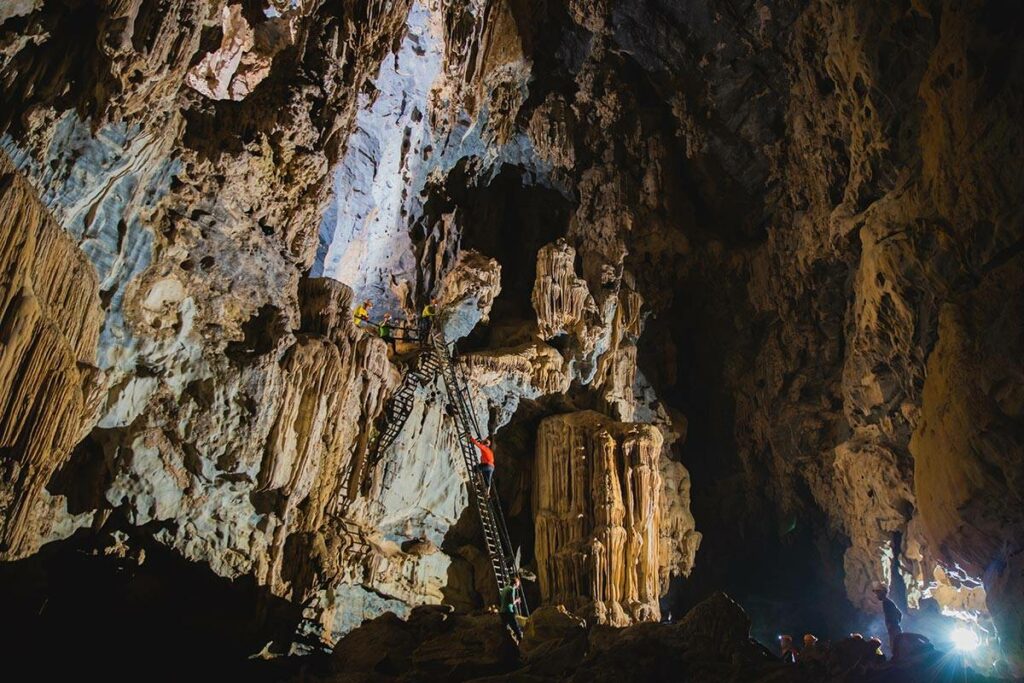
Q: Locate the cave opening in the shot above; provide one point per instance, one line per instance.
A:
(510, 219)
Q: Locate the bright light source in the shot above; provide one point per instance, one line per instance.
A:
(964, 639)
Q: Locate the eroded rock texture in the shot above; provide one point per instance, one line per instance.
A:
(966, 448)
(185, 149)
(597, 497)
(49, 327)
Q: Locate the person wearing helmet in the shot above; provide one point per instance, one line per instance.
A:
(362, 313)
(386, 333)
(788, 652)
(430, 310)
(427, 318)
(893, 615)
(812, 651)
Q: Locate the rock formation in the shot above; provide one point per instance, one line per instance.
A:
(966, 455)
(710, 643)
(49, 327)
(561, 298)
(597, 494)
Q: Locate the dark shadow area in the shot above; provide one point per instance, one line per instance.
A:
(786, 573)
(84, 477)
(511, 221)
(72, 610)
(508, 218)
(261, 333)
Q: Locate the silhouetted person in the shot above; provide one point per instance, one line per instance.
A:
(509, 599)
(893, 615)
(788, 652)
(813, 651)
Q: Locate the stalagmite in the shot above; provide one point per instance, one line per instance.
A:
(597, 509)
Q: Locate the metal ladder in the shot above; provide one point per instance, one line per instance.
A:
(499, 545)
(401, 404)
(436, 358)
(396, 414)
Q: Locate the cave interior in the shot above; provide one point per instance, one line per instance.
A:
(735, 289)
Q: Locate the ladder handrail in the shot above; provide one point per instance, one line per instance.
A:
(489, 509)
(460, 383)
(523, 609)
(437, 358)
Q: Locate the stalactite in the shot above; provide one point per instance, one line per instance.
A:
(597, 506)
(561, 299)
(49, 327)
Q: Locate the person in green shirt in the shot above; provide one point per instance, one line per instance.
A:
(384, 330)
(509, 599)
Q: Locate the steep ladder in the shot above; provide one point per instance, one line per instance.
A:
(435, 358)
(499, 546)
(401, 404)
(397, 413)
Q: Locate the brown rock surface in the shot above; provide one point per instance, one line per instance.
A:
(49, 327)
(432, 643)
(967, 446)
(796, 222)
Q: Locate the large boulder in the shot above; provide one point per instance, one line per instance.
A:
(550, 624)
(466, 647)
(711, 642)
(434, 643)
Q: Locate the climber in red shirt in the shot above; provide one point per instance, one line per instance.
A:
(486, 466)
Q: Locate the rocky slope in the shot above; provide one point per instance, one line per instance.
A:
(710, 643)
(797, 224)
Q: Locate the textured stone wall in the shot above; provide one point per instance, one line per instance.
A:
(967, 448)
(183, 150)
(793, 217)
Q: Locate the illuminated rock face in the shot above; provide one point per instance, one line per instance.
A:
(49, 386)
(597, 509)
(968, 447)
(561, 298)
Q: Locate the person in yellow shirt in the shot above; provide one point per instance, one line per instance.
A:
(430, 310)
(362, 313)
(426, 318)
